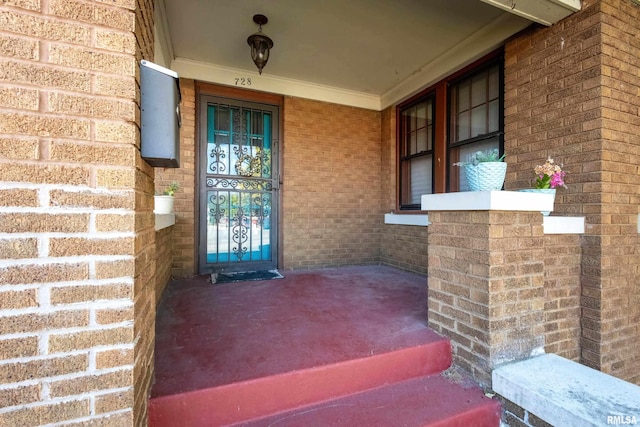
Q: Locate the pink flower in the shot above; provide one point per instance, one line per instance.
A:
(557, 179)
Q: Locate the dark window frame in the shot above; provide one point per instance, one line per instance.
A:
(441, 179)
(405, 153)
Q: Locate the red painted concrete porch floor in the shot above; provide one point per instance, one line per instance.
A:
(346, 346)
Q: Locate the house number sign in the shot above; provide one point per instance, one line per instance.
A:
(243, 81)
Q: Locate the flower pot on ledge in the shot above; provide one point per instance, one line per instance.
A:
(485, 176)
(163, 204)
(550, 191)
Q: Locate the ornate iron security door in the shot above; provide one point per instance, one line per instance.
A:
(238, 185)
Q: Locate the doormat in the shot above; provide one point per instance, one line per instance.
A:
(245, 276)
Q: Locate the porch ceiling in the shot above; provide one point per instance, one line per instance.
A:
(371, 52)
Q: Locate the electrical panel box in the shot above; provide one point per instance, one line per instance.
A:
(160, 119)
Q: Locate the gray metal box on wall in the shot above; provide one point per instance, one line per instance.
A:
(159, 115)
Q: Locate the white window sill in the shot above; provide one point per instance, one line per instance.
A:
(408, 219)
(563, 224)
(164, 220)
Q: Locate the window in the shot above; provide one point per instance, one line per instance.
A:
(445, 124)
(416, 152)
(475, 119)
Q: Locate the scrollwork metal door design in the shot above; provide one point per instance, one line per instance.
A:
(238, 202)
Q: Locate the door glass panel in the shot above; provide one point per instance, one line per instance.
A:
(239, 188)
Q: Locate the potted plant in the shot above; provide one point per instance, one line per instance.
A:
(485, 170)
(549, 176)
(163, 203)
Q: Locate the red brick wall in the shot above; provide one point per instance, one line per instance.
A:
(572, 92)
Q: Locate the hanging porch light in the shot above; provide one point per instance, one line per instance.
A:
(260, 44)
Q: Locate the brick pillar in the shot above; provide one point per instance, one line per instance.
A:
(486, 286)
(77, 301)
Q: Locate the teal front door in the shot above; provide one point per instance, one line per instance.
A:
(238, 186)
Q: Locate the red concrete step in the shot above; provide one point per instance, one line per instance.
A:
(432, 401)
(249, 399)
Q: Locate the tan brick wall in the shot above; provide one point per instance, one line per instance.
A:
(572, 92)
(404, 247)
(331, 192)
(562, 259)
(144, 309)
(75, 200)
(164, 257)
(486, 286)
(184, 251)
(619, 315)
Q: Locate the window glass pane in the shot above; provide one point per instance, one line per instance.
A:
(494, 116)
(412, 143)
(429, 129)
(464, 130)
(479, 90)
(463, 96)
(421, 115)
(494, 83)
(478, 121)
(411, 119)
(422, 141)
(420, 178)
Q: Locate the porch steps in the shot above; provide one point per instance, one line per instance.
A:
(333, 347)
(424, 401)
(400, 387)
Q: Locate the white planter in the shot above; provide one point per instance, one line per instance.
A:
(163, 205)
(485, 176)
(549, 192)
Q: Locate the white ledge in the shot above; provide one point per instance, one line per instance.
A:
(566, 393)
(164, 220)
(488, 201)
(563, 224)
(408, 219)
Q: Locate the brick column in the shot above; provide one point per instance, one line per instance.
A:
(77, 237)
(486, 286)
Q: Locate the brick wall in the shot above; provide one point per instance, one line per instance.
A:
(164, 257)
(331, 192)
(562, 258)
(572, 92)
(184, 251)
(145, 244)
(75, 200)
(486, 286)
(616, 321)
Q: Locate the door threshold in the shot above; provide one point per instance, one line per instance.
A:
(245, 276)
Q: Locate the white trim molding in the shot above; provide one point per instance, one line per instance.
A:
(231, 77)
(545, 12)
(407, 219)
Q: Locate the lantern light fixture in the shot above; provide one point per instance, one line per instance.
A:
(260, 44)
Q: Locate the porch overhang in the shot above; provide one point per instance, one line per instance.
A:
(545, 12)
